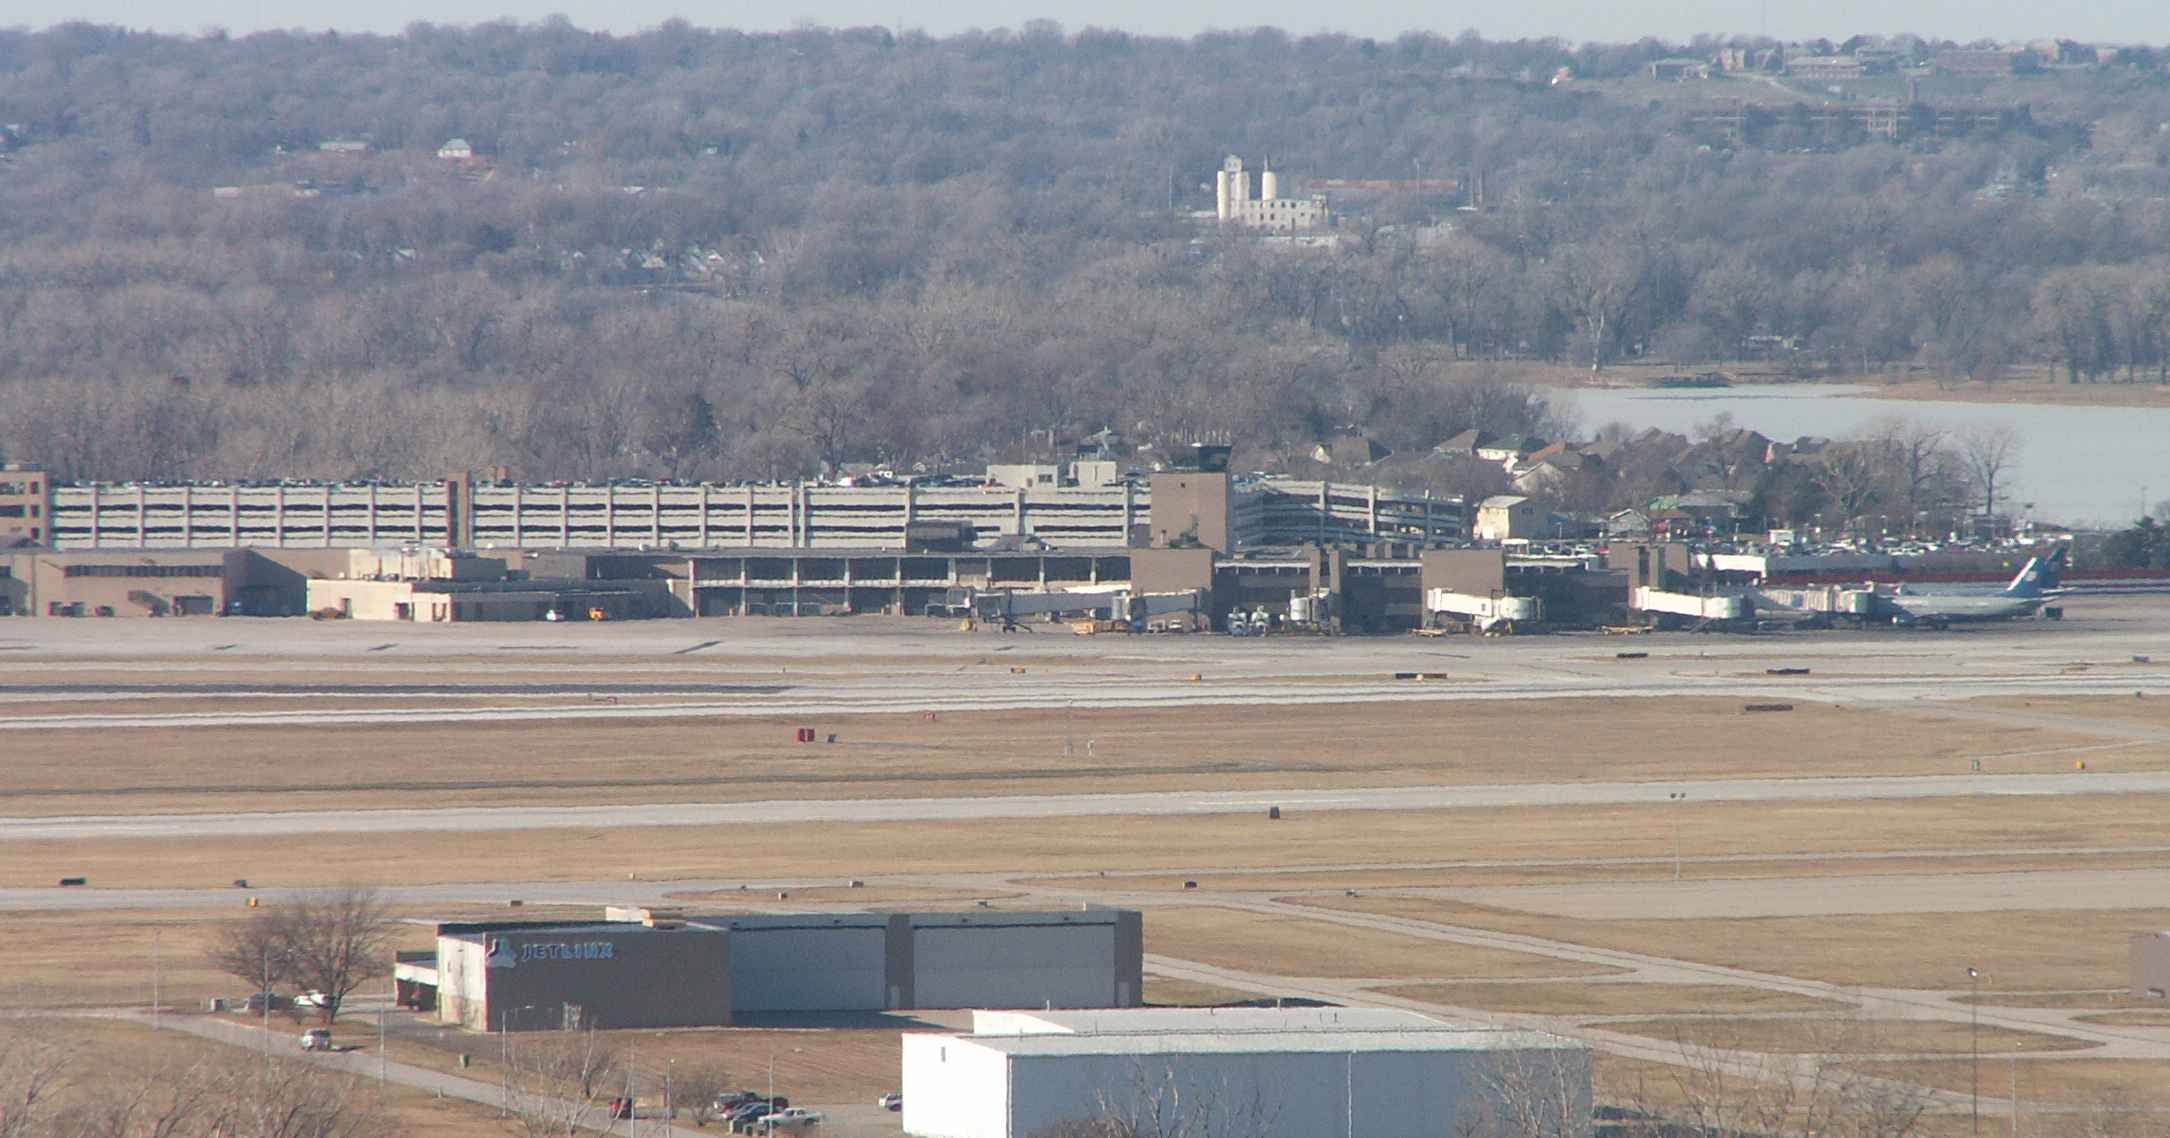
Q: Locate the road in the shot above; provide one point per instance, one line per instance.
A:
(477, 819)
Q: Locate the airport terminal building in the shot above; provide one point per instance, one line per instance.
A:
(646, 969)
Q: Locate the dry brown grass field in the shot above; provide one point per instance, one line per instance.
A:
(1282, 947)
(139, 770)
(2047, 1079)
(2156, 1018)
(1658, 868)
(1808, 1036)
(1087, 845)
(126, 1051)
(2013, 950)
(813, 1065)
(1570, 998)
(58, 966)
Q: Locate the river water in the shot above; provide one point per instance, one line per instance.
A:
(2076, 465)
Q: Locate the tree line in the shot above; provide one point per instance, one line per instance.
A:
(692, 253)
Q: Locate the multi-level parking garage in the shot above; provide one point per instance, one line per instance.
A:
(213, 515)
(649, 515)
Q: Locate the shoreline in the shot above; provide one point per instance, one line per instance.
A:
(2027, 391)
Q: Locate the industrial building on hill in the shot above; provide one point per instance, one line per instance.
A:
(640, 968)
(1319, 1071)
(1233, 203)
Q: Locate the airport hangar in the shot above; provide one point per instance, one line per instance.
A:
(646, 969)
(1375, 1072)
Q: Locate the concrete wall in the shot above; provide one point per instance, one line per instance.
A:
(24, 505)
(123, 583)
(367, 600)
(955, 1091)
(1479, 572)
(1171, 570)
(1191, 505)
(635, 977)
(1659, 565)
(1523, 519)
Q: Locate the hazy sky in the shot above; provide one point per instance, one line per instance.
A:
(1574, 20)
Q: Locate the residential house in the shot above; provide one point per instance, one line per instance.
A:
(1464, 444)
(1509, 449)
(1509, 517)
(1552, 472)
(1679, 70)
(456, 150)
(343, 146)
(1349, 449)
(1718, 511)
(1628, 523)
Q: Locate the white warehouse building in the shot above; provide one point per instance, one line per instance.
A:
(1317, 1072)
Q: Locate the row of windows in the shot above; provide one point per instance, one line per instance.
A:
(143, 571)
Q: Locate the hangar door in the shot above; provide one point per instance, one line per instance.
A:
(807, 969)
(1016, 966)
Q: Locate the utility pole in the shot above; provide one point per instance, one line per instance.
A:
(1974, 1007)
(154, 979)
(263, 995)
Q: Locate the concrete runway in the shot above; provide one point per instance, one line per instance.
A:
(1154, 804)
(809, 667)
(914, 694)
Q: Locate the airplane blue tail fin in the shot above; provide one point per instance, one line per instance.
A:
(2033, 577)
(2053, 567)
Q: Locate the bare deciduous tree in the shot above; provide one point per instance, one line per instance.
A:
(33, 1066)
(1990, 453)
(557, 1084)
(329, 942)
(694, 1089)
(48, 1091)
(1532, 1093)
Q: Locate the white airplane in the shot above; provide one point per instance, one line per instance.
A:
(2027, 593)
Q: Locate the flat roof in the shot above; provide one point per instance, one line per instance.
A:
(975, 918)
(470, 930)
(1143, 1021)
(1244, 1043)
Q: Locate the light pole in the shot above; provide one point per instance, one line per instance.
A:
(772, 1081)
(1974, 1036)
(1676, 798)
(2015, 1091)
(154, 979)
